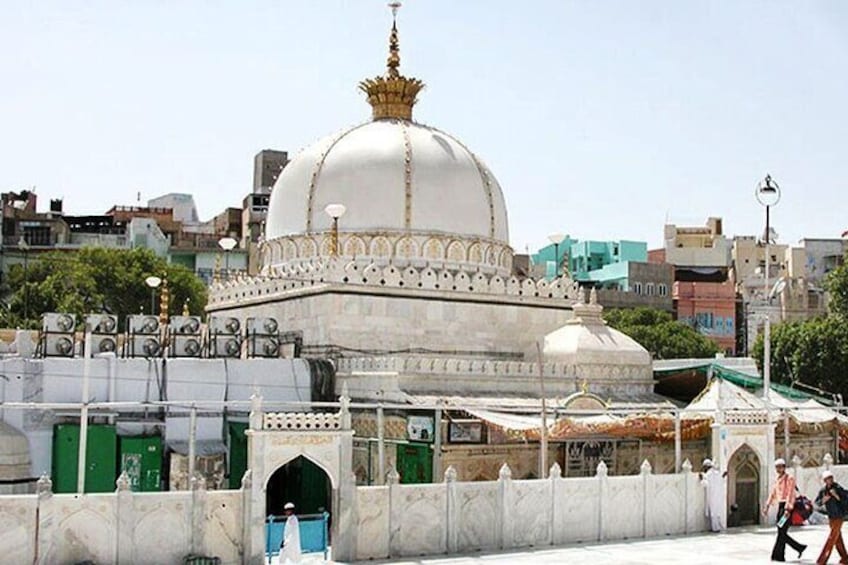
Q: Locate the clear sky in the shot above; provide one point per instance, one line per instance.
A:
(600, 118)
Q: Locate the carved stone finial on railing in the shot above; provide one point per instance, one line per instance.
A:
(828, 460)
(344, 408)
(247, 479)
(555, 471)
(505, 473)
(645, 468)
(123, 482)
(256, 411)
(450, 474)
(44, 485)
(392, 477)
(796, 461)
(601, 470)
(687, 466)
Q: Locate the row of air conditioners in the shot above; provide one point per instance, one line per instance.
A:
(183, 336)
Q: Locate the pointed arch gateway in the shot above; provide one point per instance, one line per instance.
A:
(743, 486)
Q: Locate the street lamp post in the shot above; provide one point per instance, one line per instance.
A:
(768, 195)
(153, 282)
(227, 244)
(556, 239)
(335, 211)
(22, 244)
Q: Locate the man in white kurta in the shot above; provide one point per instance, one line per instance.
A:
(716, 496)
(290, 550)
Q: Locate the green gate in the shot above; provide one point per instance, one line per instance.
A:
(100, 455)
(141, 458)
(238, 453)
(415, 463)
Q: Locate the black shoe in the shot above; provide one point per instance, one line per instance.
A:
(801, 551)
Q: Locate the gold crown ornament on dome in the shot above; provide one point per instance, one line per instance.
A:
(392, 95)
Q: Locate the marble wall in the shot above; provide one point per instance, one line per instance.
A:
(454, 516)
(121, 527)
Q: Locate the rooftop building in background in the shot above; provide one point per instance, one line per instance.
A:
(267, 166)
(699, 254)
(183, 206)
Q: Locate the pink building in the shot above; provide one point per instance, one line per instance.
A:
(710, 308)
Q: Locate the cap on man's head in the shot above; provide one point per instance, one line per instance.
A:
(827, 475)
(289, 506)
(780, 463)
(708, 463)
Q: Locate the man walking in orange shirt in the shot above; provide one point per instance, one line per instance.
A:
(783, 493)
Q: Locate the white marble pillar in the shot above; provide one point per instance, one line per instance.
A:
(395, 513)
(555, 525)
(198, 515)
(603, 510)
(688, 503)
(645, 473)
(452, 514)
(505, 505)
(46, 520)
(125, 521)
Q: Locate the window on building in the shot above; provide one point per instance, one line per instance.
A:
(662, 289)
(637, 288)
(649, 289)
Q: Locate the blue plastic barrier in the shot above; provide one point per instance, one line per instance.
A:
(314, 533)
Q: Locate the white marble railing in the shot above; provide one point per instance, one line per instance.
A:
(301, 422)
(489, 367)
(333, 271)
(455, 517)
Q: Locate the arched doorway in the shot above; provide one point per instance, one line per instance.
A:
(743, 487)
(302, 482)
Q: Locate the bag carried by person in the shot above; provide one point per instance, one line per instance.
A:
(802, 510)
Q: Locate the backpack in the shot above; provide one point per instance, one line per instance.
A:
(802, 510)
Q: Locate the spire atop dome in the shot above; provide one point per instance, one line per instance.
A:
(392, 95)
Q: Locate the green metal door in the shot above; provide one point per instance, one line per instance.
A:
(141, 458)
(100, 455)
(238, 453)
(415, 463)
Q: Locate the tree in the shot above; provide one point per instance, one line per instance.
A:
(656, 331)
(836, 285)
(814, 352)
(97, 279)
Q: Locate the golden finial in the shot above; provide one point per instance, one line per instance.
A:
(584, 387)
(185, 307)
(164, 299)
(392, 95)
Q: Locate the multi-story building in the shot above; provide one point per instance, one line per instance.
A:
(618, 269)
(267, 166)
(703, 297)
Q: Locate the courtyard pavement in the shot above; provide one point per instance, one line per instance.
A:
(739, 545)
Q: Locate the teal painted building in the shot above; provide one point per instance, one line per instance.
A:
(604, 263)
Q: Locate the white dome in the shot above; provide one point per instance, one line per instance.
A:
(392, 175)
(586, 341)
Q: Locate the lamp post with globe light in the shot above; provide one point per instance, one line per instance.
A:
(768, 195)
(335, 211)
(556, 239)
(153, 282)
(227, 244)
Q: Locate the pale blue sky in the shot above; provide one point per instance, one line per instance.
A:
(599, 118)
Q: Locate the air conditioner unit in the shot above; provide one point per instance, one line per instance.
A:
(185, 346)
(224, 325)
(145, 346)
(102, 324)
(53, 322)
(225, 346)
(59, 345)
(58, 334)
(143, 325)
(264, 346)
(103, 344)
(262, 326)
(184, 325)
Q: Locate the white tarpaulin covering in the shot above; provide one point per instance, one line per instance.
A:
(728, 396)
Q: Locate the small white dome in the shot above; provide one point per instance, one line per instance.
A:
(393, 175)
(586, 340)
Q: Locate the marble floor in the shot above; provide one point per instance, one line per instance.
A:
(740, 545)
